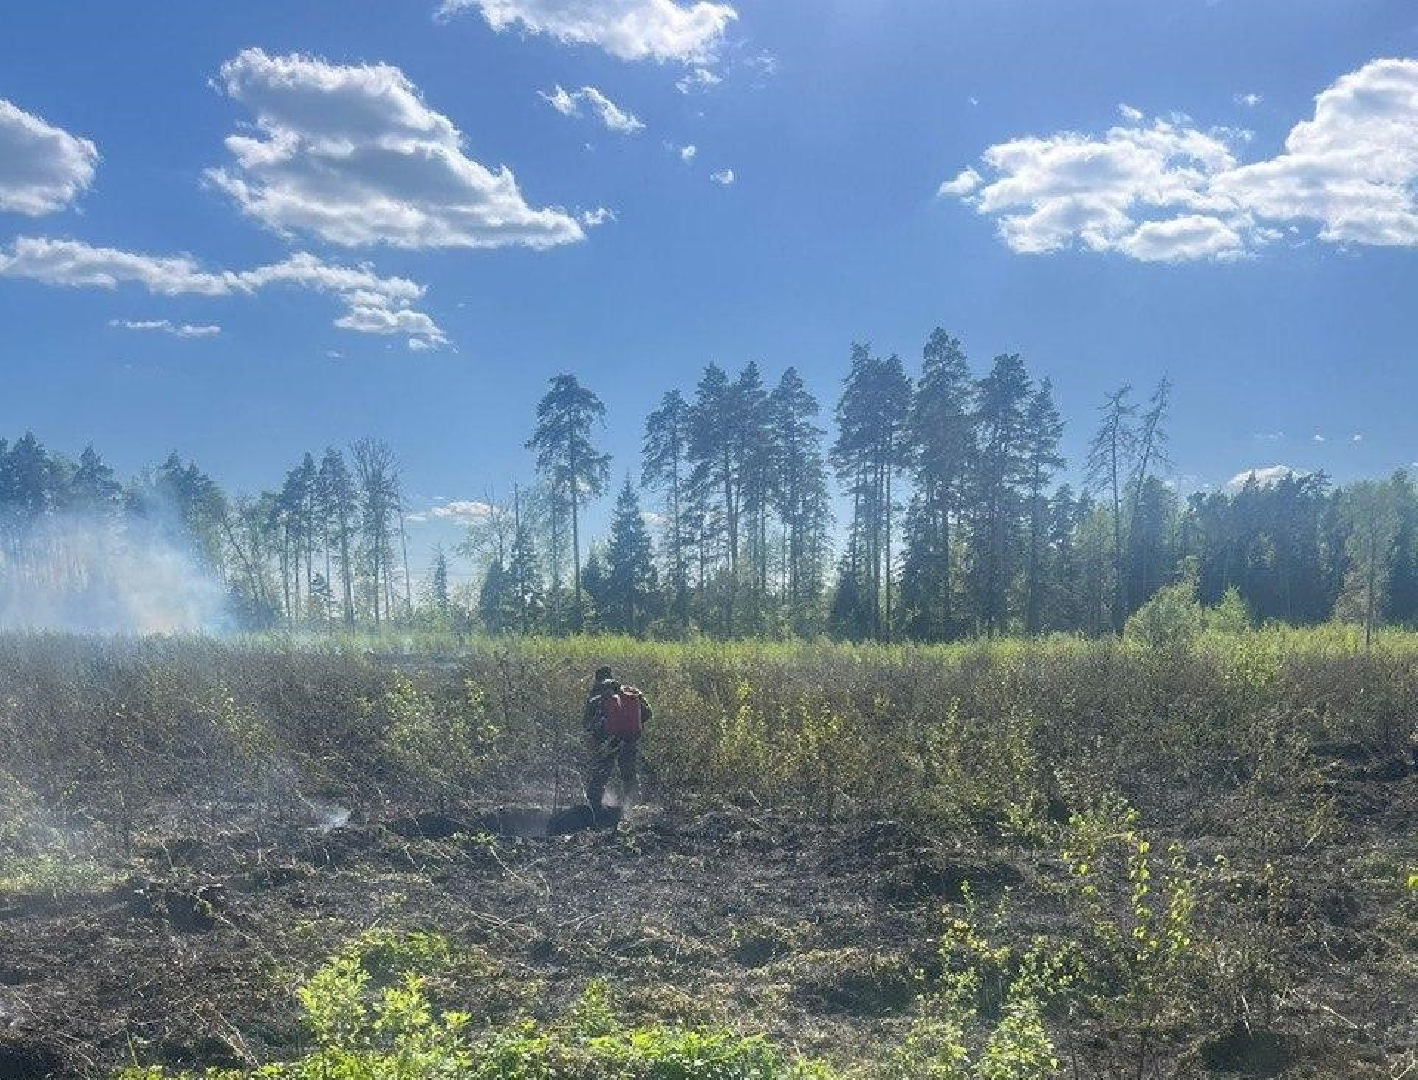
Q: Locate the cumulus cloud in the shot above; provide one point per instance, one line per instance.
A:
(166, 326)
(353, 156)
(42, 168)
(1166, 190)
(688, 153)
(375, 305)
(569, 103)
(1192, 236)
(627, 29)
(1250, 101)
(724, 177)
(1263, 477)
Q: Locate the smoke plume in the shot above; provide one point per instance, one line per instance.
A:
(77, 574)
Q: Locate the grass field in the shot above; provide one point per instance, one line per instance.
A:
(1004, 860)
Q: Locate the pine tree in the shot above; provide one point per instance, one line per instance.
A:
(377, 476)
(870, 452)
(716, 456)
(750, 423)
(1109, 460)
(666, 467)
(1147, 567)
(1000, 470)
(574, 469)
(800, 496)
(1042, 431)
(942, 439)
(338, 508)
(92, 487)
(1370, 511)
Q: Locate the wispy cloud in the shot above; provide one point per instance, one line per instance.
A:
(1250, 101)
(166, 326)
(459, 511)
(611, 115)
(1168, 190)
(353, 156)
(374, 304)
(698, 79)
(42, 167)
(724, 177)
(627, 29)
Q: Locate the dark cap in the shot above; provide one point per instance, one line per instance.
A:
(603, 674)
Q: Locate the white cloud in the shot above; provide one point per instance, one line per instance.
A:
(352, 155)
(1269, 436)
(1167, 190)
(963, 184)
(569, 103)
(1356, 438)
(1129, 113)
(1250, 101)
(1263, 478)
(415, 325)
(42, 168)
(599, 216)
(1192, 236)
(75, 263)
(688, 153)
(375, 305)
(724, 177)
(1319, 438)
(166, 326)
(462, 511)
(628, 29)
(561, 100)
(698, 78)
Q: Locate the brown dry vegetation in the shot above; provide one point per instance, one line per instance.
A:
(1180, 862)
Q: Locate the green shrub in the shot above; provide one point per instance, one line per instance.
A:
(1172, 619)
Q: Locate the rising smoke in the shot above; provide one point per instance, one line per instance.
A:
(95, 575)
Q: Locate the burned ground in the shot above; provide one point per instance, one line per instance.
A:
(193, 835)
(819, 934)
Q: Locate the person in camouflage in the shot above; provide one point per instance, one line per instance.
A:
(607, 754)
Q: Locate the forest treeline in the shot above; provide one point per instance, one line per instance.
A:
(955, 523)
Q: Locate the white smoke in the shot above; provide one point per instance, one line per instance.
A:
(87, 575)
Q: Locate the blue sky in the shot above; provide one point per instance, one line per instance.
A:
(222, 226)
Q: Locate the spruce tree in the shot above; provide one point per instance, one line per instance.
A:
(630, 580)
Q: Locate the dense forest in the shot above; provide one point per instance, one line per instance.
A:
(955, 523)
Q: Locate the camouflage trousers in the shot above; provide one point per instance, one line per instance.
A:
(606, 756)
